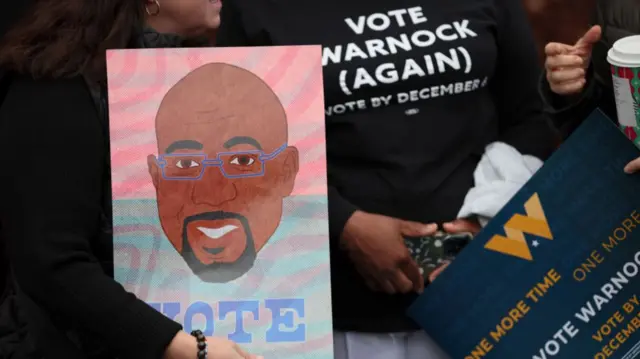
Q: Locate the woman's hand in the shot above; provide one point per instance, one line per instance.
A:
(185, 346)
(376, 246)
(633, 166)
(219, 348)
(438, 270)
(461, 225)
(566, 64)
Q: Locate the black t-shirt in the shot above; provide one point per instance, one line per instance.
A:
(414, 91)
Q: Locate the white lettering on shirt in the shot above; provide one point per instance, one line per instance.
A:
(416, 35)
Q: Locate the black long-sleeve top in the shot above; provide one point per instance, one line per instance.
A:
(414, 90)
(52, 215)
(568, 112)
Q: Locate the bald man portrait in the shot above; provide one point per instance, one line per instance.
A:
(223, 169)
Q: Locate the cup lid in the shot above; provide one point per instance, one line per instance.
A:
(625, 52)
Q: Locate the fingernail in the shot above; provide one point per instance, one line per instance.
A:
(627, 170)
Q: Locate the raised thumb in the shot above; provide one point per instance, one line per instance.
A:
(591, 37)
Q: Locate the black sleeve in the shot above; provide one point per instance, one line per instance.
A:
(340, 210)
(568, 112)
(523, 124)
(52, 173)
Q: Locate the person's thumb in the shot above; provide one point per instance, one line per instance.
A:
(589, 39)
(462, 226)
(417, 229)
(633, 166)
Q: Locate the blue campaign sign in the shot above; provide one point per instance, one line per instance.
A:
(556, 274)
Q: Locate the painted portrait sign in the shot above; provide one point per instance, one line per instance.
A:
(219, 192)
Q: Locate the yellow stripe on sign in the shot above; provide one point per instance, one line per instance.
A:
(514, 242)
(512, 247)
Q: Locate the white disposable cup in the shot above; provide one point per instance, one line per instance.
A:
(624, 58)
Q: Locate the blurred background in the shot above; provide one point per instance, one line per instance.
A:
(558, 20)
(552, 20)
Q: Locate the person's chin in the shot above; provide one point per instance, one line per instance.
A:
(223, 269)
(223, 272)
(214, 22)
(221, 259)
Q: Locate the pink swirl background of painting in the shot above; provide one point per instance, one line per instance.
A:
(138, 80)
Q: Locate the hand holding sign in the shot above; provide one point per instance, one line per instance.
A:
(555, 273)
(461, 225)
(184, 346)
(566, 64)
(633, 166)
(221, 348)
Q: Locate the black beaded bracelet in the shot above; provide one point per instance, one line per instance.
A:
(202, 343)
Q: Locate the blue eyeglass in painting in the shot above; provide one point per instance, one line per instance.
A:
(191, 166)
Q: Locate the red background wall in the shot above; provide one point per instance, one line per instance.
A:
(558, 20)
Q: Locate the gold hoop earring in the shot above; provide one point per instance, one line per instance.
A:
(157, 8)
